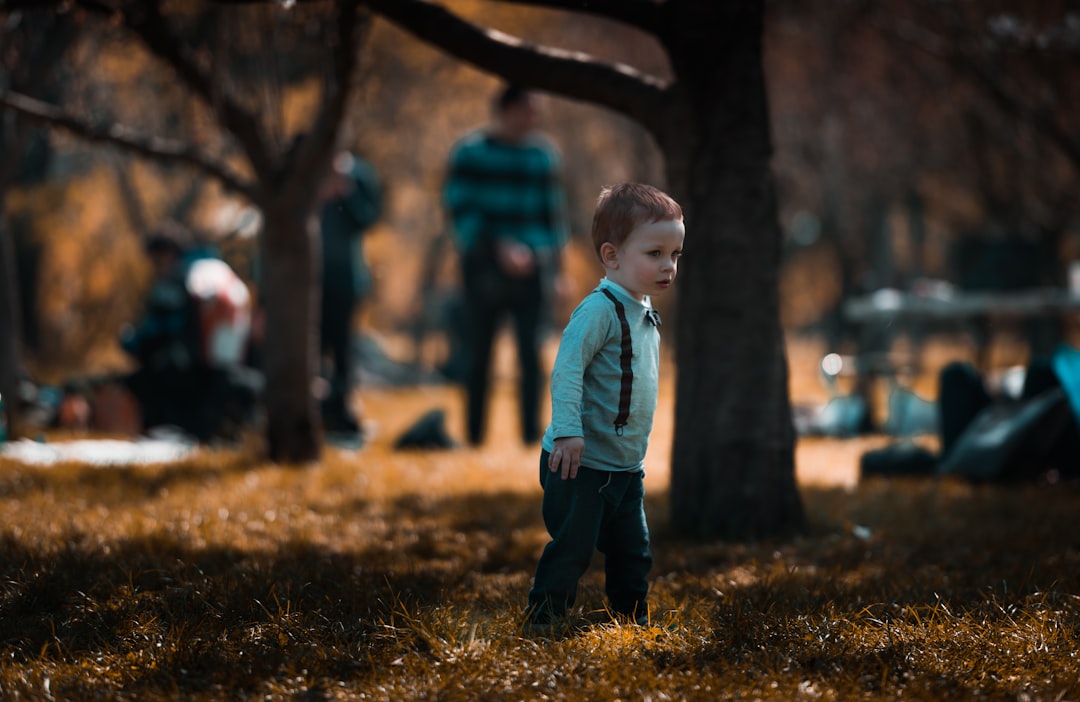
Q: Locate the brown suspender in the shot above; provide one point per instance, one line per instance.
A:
(627, 382)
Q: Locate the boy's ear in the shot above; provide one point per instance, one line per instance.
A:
(609, 255)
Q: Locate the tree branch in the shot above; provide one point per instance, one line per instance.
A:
(7, 6)
(995, 87)
(144, 19)
(147, 22)
(119, 135)
(1042, 120)
(129, 195)
(335, 102)
(647, 15)
(572, 74)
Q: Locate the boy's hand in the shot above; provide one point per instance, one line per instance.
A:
(566, 456)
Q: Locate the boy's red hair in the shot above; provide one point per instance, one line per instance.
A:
(622, 207)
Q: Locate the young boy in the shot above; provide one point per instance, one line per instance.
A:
(603, 396)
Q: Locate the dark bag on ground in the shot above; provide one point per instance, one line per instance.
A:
(1009, 440)
(898, 460)
(428, 432)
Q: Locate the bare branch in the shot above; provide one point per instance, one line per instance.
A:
(335, 101)
(1041, 119)
(572, 74)
(993, 85)
(134, 207)
(7, 6)
(119, 135)
(234, 3)
(147, 22)
(647, 15)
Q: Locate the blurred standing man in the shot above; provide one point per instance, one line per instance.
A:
(351, 197)
(507, 209)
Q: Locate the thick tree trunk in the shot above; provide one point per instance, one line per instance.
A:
(289, 294)
(9, 331)
(10, 325)
(733, 470)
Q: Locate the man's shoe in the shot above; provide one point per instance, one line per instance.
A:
(639, 616)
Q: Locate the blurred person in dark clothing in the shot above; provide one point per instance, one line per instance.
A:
(351, 202)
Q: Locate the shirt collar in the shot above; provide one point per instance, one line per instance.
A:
(624, 294)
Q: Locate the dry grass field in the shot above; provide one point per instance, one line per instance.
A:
(385, 575)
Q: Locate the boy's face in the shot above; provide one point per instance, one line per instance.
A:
(646, 263)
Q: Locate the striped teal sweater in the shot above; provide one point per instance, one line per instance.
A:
(497, 190)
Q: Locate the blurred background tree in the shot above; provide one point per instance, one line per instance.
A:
(32, 47)
(225, 63)
(924, 139)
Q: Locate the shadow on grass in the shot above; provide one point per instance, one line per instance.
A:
(156, 613)
(171, 615)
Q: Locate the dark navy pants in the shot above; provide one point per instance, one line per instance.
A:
(597, 510)
(490, 297)
(335, 342)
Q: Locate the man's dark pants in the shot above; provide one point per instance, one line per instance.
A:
(597, 510)
(335, 341)
(490, 297)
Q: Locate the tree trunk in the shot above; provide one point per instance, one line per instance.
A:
(733, 470)
(289, 293)
(10, 324)
(9, 331)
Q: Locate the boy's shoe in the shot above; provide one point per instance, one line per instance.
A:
(543, 622)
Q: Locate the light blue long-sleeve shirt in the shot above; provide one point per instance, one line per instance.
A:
(586, 380)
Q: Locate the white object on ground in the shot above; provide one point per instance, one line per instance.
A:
(99, 452)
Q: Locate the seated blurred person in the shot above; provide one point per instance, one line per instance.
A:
(191, 340)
